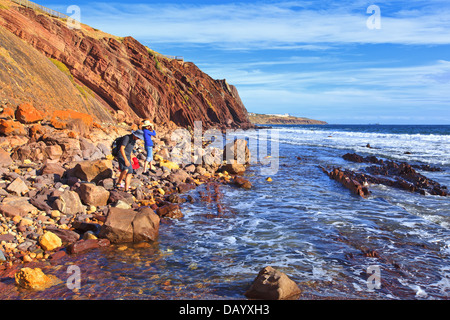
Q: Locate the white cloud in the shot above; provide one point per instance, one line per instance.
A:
(417, 91)
(266, 25)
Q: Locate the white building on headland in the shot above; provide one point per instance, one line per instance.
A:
(272, 115)
(280, 115)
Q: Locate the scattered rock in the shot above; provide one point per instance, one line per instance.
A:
(169, 211)
(69, 202)
(66, 236)
(84, 245)
(179, 176)
(93, 195)
(169, 164)
(12, 128)
(234, 168)
(53, 168)
(271, 284)
(185, 187)
(5, 158)
(2, 256)
(12, 206)
(7, 113)
(237, 152)
(53, 152)
(49, 241)
(18, 187)
(41, 203)
(116, 195)
(73, 120)
(26, 113)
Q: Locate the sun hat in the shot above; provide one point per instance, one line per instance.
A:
(139, 134)
(147, 123)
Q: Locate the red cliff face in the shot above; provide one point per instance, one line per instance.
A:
(123, 75)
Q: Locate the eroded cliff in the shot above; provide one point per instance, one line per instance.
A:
(108, 76)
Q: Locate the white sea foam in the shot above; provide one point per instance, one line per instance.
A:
(427, 148)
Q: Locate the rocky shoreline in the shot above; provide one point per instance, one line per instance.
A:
(58, 195)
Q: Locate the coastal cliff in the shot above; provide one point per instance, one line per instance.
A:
(256, 118)
(56, 67)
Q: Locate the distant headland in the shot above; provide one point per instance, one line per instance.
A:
(257, 118)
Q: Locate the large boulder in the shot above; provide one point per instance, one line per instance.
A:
(145, 225)
(93, 171)
(271, 284)
(127, 225)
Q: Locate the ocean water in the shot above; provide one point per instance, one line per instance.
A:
(333, 244)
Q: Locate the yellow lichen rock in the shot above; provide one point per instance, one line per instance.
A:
(49, 241)
(35, 279)
(169, 164)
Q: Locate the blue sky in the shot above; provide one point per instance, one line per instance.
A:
(316, 59)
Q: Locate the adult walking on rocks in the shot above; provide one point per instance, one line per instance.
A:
(124, 157)
(148, 131)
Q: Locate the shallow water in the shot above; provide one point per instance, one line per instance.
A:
(302, 223)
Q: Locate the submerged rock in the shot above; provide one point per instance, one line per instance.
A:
(389, 173)
(243, 183)
(349, 180)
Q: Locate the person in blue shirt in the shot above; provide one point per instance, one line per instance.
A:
(149, 131)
